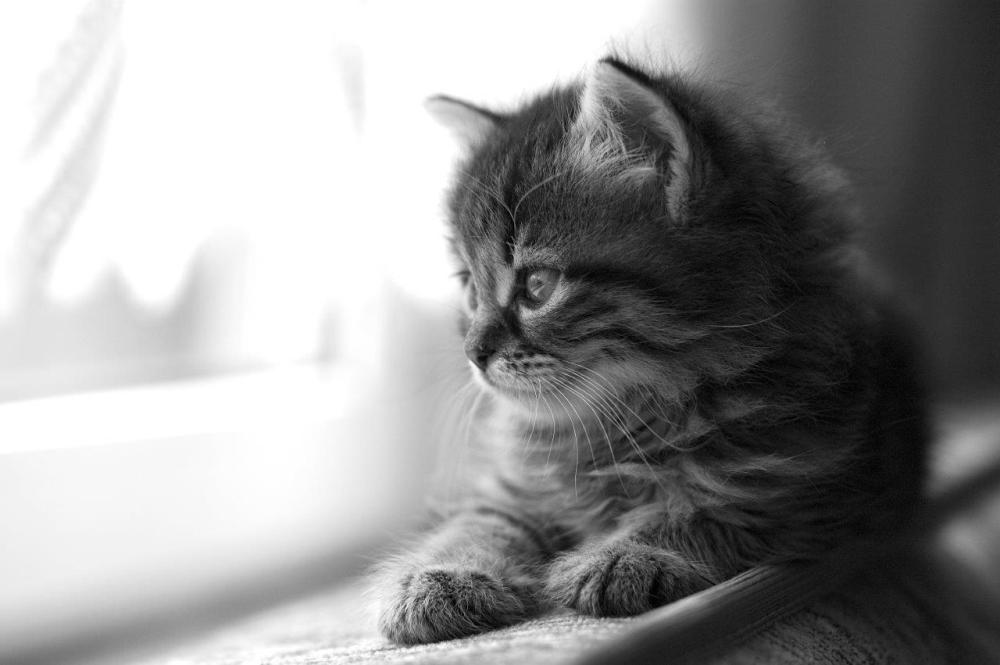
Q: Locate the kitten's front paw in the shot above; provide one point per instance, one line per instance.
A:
(619, 579)
(440, 604)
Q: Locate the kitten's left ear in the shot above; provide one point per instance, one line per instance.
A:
(625, 105)
(469, 123)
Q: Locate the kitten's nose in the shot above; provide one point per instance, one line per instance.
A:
(480, 354)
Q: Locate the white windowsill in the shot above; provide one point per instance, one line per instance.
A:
(226, 403)
(117, 502)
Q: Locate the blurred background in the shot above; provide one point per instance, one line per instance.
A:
(227, 356)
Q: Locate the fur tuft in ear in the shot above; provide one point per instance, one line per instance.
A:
(468, 122)
(624, 106)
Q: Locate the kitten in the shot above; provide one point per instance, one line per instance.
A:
(691, 372)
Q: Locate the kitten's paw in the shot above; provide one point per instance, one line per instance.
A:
(619, 579)
(441, 603)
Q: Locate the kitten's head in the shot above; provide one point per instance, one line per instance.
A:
(631, 233)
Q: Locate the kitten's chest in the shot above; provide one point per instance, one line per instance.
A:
(588, 478)
(592, 505)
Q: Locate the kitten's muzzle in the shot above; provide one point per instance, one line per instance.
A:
(485, 337)
(480, 353)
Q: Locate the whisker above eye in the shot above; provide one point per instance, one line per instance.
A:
(490, 192)
(534, 188)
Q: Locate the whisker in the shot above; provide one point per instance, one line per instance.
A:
(617, 419)
(532, 189)
(552, 436)
(558, 384)
(526, 441)
(457, 417)
(752, 323)
(626, 406)
(489, 191)
(607, 437)
(576, 437)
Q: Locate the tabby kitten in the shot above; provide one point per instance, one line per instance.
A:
(690, 371)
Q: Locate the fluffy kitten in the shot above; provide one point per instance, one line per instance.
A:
(691, 373)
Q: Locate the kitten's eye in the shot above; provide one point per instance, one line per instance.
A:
(463, 277)
(539, 285)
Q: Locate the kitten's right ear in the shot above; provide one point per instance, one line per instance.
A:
(468, 122)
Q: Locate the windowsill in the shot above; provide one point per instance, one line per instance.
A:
(123, 507)
(219, 403)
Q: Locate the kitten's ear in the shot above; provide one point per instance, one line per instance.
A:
(622, 105)
(468, 122)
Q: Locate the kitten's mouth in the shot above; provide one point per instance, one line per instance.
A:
(514, 388)
(537, 378)
(508, 387)
(526, 389)
(556, 400)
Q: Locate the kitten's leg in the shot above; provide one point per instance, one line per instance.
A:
(477, 571)
(640, 567)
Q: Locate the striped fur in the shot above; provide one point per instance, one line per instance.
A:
(714, 383)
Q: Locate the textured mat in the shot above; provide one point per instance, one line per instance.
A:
(872, 622)
(333, 629)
